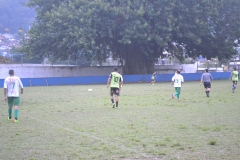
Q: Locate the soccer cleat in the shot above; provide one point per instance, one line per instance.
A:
(9, 119)
(179, 100)
(113, 105)
(172, 96)
(16, 121)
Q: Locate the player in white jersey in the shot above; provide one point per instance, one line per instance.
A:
(177, 81)
(12, 85)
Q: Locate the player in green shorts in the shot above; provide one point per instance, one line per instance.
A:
(115, 82)
(12, 85)
(234, 78)
(177, 81)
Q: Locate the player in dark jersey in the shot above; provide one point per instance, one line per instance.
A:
(206, 79)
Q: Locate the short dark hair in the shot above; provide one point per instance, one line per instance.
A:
(234, 68)
(178, 71)
(115, 69)
(11, 72)
(206, 70)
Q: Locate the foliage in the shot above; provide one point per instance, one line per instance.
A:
(134, 31)
(208, 28)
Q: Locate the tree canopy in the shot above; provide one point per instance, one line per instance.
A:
(134, 31)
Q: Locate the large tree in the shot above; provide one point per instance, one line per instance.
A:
(135, 31)
(207, 27)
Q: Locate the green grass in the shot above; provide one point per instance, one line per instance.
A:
(68, 122)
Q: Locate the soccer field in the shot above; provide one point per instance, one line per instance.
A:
(71, 123)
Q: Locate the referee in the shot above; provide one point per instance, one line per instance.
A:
(206, 79)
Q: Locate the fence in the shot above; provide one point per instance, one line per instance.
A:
(88, 80)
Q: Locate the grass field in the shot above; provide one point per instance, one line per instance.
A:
(71, 123)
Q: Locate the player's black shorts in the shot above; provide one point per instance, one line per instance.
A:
(207, 84)
(114, 90)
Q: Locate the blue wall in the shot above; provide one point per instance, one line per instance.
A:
(168, 77)
(103, 79)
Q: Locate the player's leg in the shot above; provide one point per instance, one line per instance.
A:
(116, 97)
(208, 89)
(111, 97)
(9, 113)
(207, 92)
(10, 104)
(16, 114)
(178, 93)
(152, 81)
(234, 86)
(175, 94)
(205, 86)
(16, 103)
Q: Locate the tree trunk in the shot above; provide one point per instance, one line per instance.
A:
(136, 62)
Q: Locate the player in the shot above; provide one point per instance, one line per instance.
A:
(206, 79)
(234, 78)
(154, 75)
(177, 81)
(115, 82)
(12, 84)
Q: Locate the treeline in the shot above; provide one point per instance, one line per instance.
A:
(14, 15)
(134, 31)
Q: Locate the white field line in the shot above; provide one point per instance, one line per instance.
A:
(94, 137)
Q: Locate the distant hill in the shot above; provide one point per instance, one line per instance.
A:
(14, 15)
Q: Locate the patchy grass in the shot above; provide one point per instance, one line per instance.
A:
(212, 142)
(69, 122)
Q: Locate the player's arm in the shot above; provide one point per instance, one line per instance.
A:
(201, 81)
(120, 85)
(5, 90)
(173, 80)
(109, 80)
(5, 94)
(121, 81)
(21, 86)
(230, 76)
